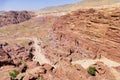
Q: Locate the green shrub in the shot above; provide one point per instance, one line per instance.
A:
(92, 71)
(13, 74)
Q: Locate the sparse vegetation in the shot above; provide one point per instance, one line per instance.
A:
(13, 74)
(92, 71)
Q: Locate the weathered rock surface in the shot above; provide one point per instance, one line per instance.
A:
(14, 17)
(88, 33)
(13, 55)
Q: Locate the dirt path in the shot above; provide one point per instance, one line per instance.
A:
(38, 53)
(87, 62)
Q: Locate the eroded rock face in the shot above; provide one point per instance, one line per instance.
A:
(13, 55)
(14, 17)
(20, 59)
(84, 34)
(88, 33)
(70, 72)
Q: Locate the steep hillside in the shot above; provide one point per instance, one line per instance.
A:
(90, 33)
(87, 34)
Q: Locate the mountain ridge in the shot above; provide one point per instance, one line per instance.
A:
(64, 9)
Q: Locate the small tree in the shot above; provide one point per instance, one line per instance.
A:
(92, 71)
(13, 74)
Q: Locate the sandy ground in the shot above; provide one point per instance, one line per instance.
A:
(87, 62)
(38, 53)
(115, 73)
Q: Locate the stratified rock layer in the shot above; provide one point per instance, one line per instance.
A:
(89, 33)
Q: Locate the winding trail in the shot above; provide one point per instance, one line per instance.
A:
(38, 53)
(87, 62)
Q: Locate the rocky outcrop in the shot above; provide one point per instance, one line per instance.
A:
(102, 71)
(14, 17)
(89, 33)
(14, 55)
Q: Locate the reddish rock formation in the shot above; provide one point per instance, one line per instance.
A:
(14, 17)
(82, 34)
(88, 33)
(13, 55)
